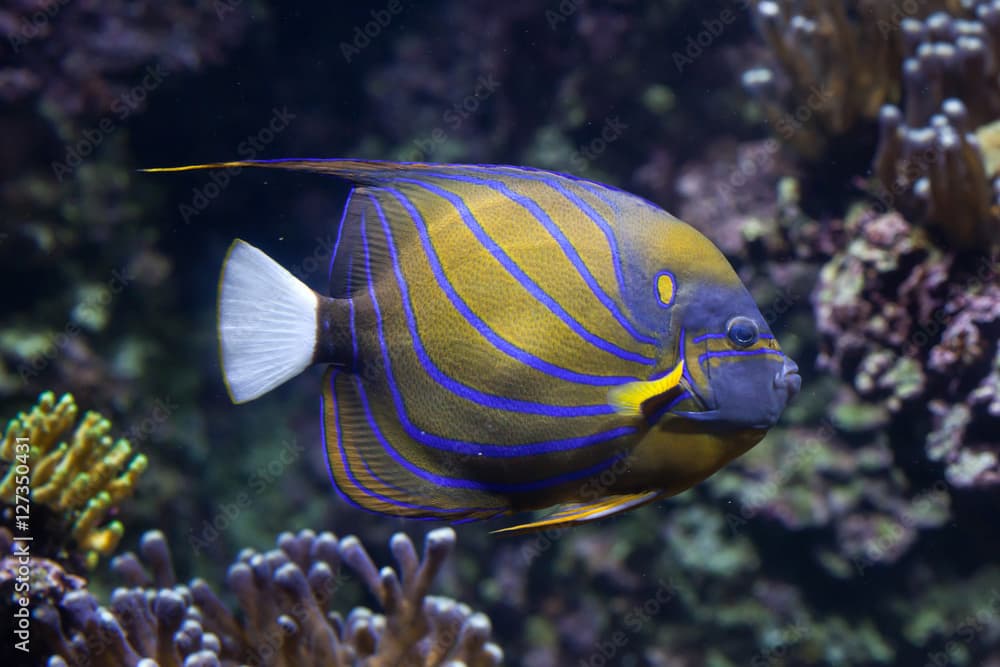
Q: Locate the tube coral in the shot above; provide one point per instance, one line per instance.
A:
(829, 71)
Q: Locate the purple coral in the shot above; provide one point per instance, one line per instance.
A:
(283, 596)
(918, 329)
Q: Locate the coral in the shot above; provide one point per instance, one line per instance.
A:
(917, 330)
(830, 71)
(71, 56)
(843, 64)
(283, 621)
(808, 478)
(934, 156)
(80, 478)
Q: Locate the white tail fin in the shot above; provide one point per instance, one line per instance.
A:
(267, 323)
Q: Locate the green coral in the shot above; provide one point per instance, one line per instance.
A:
(81, 478)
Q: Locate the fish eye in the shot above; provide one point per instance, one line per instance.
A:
(742, 331)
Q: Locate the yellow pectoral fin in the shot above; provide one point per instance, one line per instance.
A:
(627, 399)
(578, 513)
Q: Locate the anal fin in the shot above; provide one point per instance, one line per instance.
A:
(377, 467)
(577, 513)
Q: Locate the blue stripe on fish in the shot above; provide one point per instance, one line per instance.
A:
(454, 483)
(462, 446)
(365, 490)
(340, 235)
(737, 353)
(524, 279)
(712, 336)
(480, 325)
(564, 243)
(663, 410)
(350, 307)
(459, 389)
(687, 374)
(329, 463)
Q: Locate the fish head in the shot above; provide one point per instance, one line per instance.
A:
(734, 369)
(735, 375)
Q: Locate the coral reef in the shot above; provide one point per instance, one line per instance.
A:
(859, 532)
(71, 57)
(939, 171)
(283, 621)
(931, 160)
(829, 73)
(843, 64)
(915, 329)
(839, 477)
(80, 475)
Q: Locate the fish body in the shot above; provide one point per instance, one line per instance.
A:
(501, 339)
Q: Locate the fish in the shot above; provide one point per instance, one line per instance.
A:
(502, 339)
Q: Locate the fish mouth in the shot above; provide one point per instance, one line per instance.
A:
(788, 380)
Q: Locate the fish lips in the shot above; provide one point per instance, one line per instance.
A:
(731, 408)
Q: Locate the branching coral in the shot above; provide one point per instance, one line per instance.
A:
(283, 621)
(81, 478)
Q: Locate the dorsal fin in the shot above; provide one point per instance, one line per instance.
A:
(349, 269)
(375, 200)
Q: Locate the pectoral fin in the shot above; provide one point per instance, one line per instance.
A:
(627, 399)
(577, 513)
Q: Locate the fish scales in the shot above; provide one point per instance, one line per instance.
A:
(424, 406)
(502, 338)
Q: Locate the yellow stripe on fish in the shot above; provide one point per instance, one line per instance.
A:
(502, 339)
